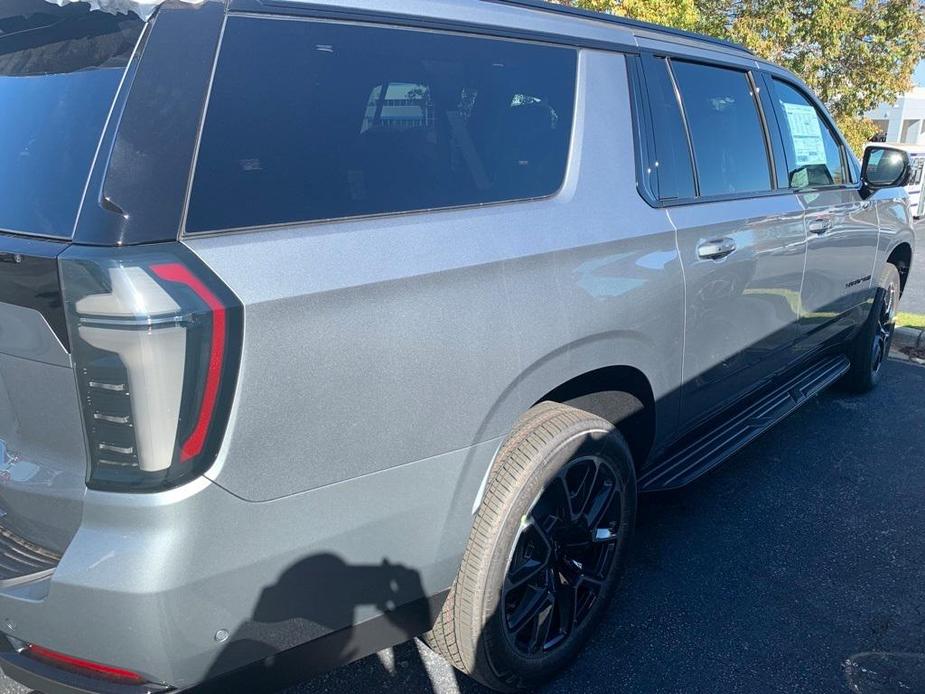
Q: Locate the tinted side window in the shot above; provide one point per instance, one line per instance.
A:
(726, 131)
(672, 150)
(814, 155)
(310, 120)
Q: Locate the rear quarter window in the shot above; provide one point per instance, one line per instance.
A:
(316, 120)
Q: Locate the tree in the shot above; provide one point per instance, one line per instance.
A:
(681, 14)
(855, 54)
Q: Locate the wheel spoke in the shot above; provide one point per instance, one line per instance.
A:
(569, 507)
(566, 603)
(583, 487)
(542, 625)
(590, 583)
(530, 607)
(586, 593)
(570, 570)
(531, 556)
(599, 503)
(524, 574)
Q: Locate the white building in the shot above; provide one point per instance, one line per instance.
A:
(904, 121)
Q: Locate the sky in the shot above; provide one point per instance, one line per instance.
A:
(920, 74)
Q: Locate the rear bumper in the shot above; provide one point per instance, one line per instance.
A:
(144, 585)
(193, 583)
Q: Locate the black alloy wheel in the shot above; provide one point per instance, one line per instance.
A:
(563, 554)
(886, 326)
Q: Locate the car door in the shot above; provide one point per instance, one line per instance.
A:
(841, 226)
(741, 241)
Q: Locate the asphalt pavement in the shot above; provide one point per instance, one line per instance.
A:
(799, 562)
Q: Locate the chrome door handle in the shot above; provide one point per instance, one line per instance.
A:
(820, 225)
(716, 248)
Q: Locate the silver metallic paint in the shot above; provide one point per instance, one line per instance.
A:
(358, 331)
(743, 310)
(43, 462)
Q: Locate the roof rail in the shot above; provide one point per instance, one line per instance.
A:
(622, 21)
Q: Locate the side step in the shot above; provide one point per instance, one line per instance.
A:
(701, 455)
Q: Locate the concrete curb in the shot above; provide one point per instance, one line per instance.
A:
(906, 341)
(911, 338)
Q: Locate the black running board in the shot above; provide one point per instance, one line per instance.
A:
(683, 466)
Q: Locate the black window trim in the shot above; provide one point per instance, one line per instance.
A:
(643, 129)
(773, 147)
(299, 9)
(849, 171)
(685, 124)
(405, 25)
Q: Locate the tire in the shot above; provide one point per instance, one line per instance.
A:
(526, 521)
(871, 347)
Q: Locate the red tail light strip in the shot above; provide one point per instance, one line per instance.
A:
(175, 272)
(86, 667)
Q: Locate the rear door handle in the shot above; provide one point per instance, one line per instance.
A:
(716, 248)
(820, 225)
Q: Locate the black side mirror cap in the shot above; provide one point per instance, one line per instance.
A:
(884, 167)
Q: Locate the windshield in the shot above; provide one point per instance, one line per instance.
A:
(59, 72)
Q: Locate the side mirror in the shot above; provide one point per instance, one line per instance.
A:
(885, 167)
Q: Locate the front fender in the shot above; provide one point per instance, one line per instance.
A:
(896, 226)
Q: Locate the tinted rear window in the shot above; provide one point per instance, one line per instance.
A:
(310, 120)
(59, 72)
(725, 128)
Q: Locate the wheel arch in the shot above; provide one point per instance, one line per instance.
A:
(620, 394)
(901, 257)
(608, 374)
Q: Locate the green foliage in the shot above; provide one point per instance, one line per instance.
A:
(682, 14)
(855, 54)
(857, 131)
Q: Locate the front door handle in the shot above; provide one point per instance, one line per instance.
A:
(716, 248)
(820, 225)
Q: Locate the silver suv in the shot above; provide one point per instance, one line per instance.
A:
(327, 324)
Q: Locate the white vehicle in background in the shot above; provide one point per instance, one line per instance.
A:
(915, 185)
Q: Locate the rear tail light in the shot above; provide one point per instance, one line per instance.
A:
(79, 666)
(156, 340)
